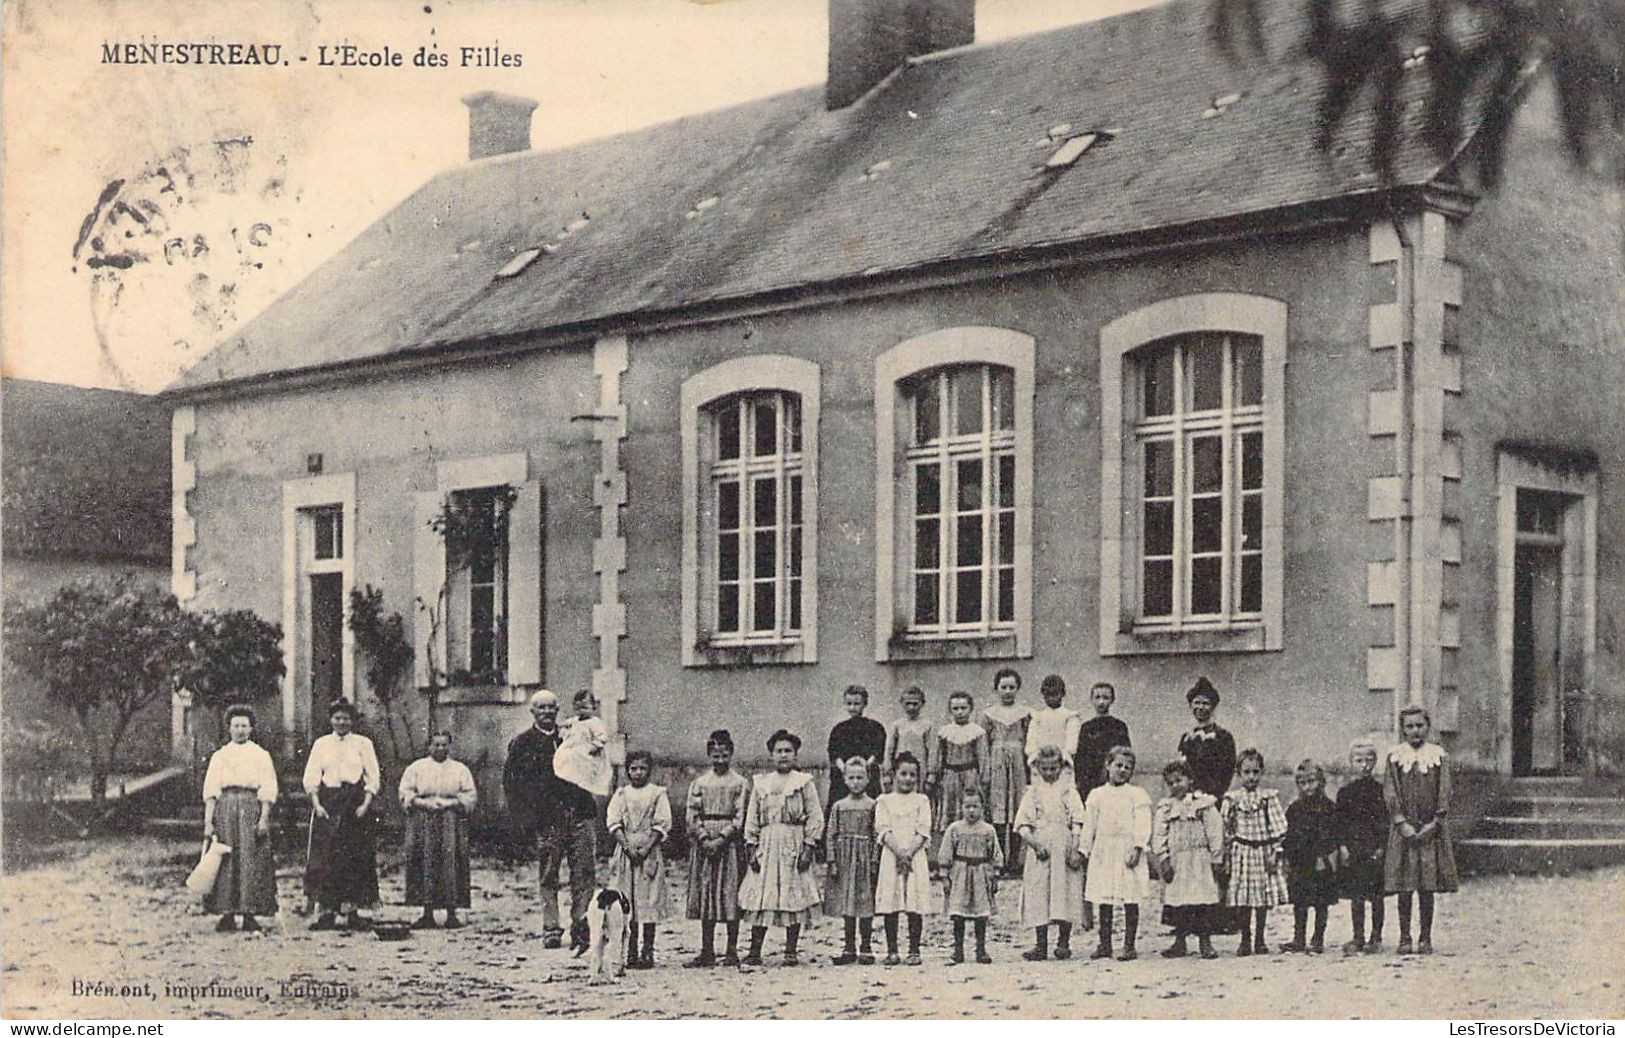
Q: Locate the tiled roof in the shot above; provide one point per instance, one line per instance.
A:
(86, 473)
(944, 162)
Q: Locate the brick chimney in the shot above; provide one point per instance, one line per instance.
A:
(870, 38)
(497, 123)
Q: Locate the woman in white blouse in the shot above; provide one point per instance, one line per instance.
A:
(239, 790)
(439, 795)
(341, 778)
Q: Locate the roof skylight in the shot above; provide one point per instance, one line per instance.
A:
(519, 263)
(701, 206)
(1073, 148)
(1221, 104)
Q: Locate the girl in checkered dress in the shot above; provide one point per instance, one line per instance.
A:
(1254, 826)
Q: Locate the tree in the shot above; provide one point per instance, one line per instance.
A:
(103, 651)
(382, 637)
(1479, 57)
(235, 657)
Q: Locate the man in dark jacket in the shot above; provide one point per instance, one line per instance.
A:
(561, 817)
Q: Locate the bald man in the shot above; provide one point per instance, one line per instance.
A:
(560, 817)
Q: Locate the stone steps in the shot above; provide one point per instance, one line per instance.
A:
(1581, 827)
(1549, 825)
(1537, 856)
(1559, 807)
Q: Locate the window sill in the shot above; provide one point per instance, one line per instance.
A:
(476, 695)
(748, 654)
(906, 648)
(1160, 642)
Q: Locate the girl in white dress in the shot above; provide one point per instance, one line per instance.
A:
(639, 819)
(1116, 837)
(783, 825)
(903, 826)
(1048, 822)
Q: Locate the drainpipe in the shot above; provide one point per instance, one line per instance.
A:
(1405, 691)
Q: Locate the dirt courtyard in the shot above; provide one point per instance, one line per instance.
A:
(109, 932)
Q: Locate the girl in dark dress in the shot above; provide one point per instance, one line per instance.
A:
(1096, 737)
(857, 736)
(1363, 823)
(1208, 750)
(1311, 851)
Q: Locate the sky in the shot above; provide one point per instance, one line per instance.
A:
(150, 209)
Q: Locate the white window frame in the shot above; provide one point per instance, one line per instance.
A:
(896, 636)
(986, 446)
(523, 581)
(746, 471)
(301, 498)
(1179, 428)
(700, 393)
(460, 595)
(1123, 630)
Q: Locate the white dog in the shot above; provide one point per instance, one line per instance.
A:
(607, 917)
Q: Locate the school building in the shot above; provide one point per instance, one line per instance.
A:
(1070, 352)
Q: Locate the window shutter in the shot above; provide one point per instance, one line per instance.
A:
(428, 574)
(525, 586)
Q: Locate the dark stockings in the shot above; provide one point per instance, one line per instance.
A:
(636, 952)
(1300, 924)
(792, 937)
(916, 923)
(1131, 925)
(857, 929)
(1357, 910)
(1252, 927)
(1425, 897)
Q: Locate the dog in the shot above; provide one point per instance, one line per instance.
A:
(607, 916)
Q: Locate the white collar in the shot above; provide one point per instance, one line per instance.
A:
(1430, 756)
(960, 734)
(1188, 805)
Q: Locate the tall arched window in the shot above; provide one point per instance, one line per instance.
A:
(1199, 435)
(962, 471)
(1192, 429)
(754, 532)
(953, 495)
(750, 516)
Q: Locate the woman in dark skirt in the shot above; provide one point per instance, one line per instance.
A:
(239, 790)
(341, 778)
(438, 794)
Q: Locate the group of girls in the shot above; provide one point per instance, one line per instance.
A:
(1088, 860)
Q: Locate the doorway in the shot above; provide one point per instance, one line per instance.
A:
(326, 643)
(1546, 613)
(1537, 660)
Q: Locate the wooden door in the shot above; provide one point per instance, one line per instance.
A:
(1537, 661)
